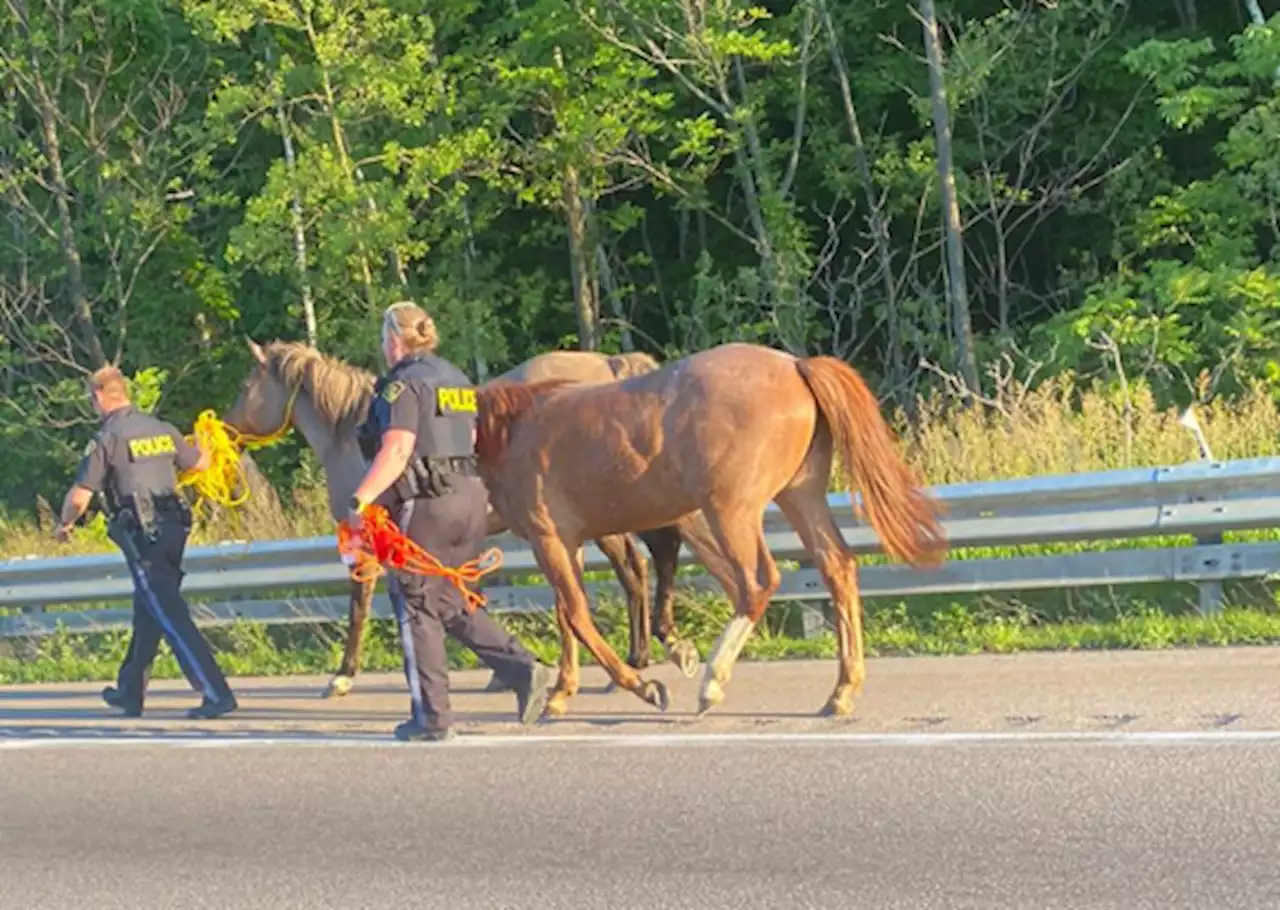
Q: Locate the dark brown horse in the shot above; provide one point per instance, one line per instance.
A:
(292, 384)
(722, 432)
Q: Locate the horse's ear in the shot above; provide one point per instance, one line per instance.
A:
(256, 350)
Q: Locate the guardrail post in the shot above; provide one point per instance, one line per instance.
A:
(1211, 595)
(813, 619)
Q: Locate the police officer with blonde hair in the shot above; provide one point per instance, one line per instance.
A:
(133, 463)
(420, 438)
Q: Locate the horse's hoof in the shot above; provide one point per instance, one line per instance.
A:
(684, 654)
(496, 684)
(712, 695)
(338, 687)
(557, 705)
(840, 704)
(656, 694)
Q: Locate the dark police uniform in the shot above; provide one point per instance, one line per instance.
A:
(132, 463)
(441, 504)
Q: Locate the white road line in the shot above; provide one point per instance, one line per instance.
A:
(658, 740)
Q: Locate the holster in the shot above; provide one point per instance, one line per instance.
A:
(126, 533)
(428, 478)
(367, 437)
(137, 522)
(422, 480)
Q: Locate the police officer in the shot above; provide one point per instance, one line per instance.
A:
(132, 463)
(420, 437)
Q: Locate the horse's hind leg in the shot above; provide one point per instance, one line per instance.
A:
(633, 573)
(664, 547)
(573, 609)
(361, 600)
(805, 506)
(737, 556)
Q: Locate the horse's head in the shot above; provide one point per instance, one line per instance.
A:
(263, 405)
(634, 363)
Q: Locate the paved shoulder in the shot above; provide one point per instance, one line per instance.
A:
(1231, 689)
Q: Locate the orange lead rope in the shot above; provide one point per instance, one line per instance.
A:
(380, 543)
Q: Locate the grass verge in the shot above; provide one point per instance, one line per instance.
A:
(891, 628)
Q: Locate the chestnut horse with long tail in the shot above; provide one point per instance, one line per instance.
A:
(292, 385)
(724, 432)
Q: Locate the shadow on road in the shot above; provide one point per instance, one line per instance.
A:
(159, 734)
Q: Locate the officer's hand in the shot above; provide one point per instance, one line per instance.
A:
(63, 534)
(355, 514)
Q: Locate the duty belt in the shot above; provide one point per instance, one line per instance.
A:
(137, 515)
(428, 478)
(466, 465)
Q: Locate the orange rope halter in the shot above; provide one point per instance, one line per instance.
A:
(380, 543)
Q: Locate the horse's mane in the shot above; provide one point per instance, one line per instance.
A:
(340, 391)
(635, 363)
(500, 404)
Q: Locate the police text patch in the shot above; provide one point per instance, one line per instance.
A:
(392, 391)
(455, 401)
(151, 446)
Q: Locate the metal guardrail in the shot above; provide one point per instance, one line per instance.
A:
(1203, 499)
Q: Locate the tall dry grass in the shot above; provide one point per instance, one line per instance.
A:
(1061, 428)
(1058, 427)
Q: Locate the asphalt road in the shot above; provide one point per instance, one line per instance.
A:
(1187, 690)
(733, 824)
(1121, 780)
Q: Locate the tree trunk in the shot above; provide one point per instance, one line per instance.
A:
(469, 256)
(610, 288)
(962, 324)
(295, 211)
(1255, 13)
(344, 157)
(875, 218)
(82, 312)
(584, 297)
(606, 287)
(754, 174)
(1187, 14)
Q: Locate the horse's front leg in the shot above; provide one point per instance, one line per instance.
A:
(361, 601)
(567, 684)
(573, 612)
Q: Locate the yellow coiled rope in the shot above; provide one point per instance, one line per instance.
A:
(224, 482)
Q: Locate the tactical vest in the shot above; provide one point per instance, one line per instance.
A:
(448, 408)
(141, 482)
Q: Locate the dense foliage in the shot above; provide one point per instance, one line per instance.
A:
(659, 174)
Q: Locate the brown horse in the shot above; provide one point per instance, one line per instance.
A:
(623, 555)
(292, 384)
(723, 432)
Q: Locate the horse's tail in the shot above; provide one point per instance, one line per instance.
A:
(902, 513)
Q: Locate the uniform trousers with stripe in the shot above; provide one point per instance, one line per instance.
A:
(452, 529)
(160, 611)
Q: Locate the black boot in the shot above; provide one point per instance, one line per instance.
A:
(132, 707)
(209, 708)
(531, 698)
(412, 731)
